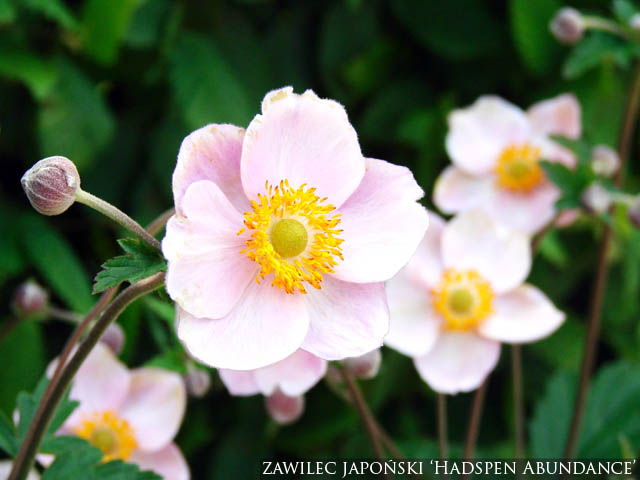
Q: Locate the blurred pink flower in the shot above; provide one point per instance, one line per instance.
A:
(460, 296)
(303, 267)
(129, 415)
(496, 148)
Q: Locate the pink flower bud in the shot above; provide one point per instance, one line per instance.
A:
(604, 160)
(364, 366)
(284, 409)
(113, 338)
(51, 185)
(634, 212)
(596, 198)
(567, 26)
(197, 380)
(30, 299)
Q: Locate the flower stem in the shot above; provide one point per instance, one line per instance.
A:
(363, 410)
(599, 23)
(442, 425)
(8, 327)
(42, 418)
(595, 309)
(159, 223)
(474, 421)
(117, 216)
(518, 404)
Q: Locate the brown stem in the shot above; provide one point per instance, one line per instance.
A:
(602, 272)
(42, 418)
(8, 327)
(474, 421)
(158, 224)
(442, 425)
(363, 410)
(518, 405)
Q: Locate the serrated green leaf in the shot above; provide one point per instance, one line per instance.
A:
(140, 262)
(59, 445)
(205, 87)
(54, 10)
(571, 182)
(596, 49)
(624, 10)
(530, 29)
(7, 436)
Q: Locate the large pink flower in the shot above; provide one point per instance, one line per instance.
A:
(496, 148)
(284, 235)
(129, 415)
(460, 296)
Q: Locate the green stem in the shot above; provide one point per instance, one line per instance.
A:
(442, 425)
(518, 403)
(602, 24)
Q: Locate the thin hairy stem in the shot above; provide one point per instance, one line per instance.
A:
(442, 425)
(158, 224)
(474, 421)
(42, 418)
(518, 402)
(597, 298)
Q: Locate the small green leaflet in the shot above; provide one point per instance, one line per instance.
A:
(140, 261)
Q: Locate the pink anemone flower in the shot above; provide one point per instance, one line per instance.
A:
(460, 296)
(129, 415)
(283, 236)
(496, 149)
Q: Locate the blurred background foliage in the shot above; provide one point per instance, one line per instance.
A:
(116, 84)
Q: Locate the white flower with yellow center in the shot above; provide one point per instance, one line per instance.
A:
(129, 415)
(496, 150)
(460, 296)
(283, 236)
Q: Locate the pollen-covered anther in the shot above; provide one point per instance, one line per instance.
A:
(112, 435)
(463, 299)
(293, 236)
(518, 168)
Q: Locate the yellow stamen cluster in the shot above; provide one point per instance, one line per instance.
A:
(293, 236)
(463, 298)
(112, 435)
(518, 168)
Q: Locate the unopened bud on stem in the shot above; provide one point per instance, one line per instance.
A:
(596, 198)
(51, 185)
(113, 338)
(604, 160)
(567, 26)
(364, 366)
(634, 212)
(30, 299)
(197, 380)
(284, 409)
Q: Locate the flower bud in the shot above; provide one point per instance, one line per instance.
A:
(51, 185)
(567, 26)
(596, 198)
(634, 212)
(197, 380)
(113, 338)
(30, 299)
(284, 409)
(634, 22)
(364, 366)
(604, 160)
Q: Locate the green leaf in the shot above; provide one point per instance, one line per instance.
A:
(205, 87)
(598, 48)
(7, 12)
(57, 263)
(73, 119)
(140, 262)
(7, 436)
(624, 10)
(54, 10)
(37, 74)
(571, 182)
(530, 29)
(104, 24)
(170, 360)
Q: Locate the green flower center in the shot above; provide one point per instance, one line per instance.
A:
(461, 301)
(288, 237)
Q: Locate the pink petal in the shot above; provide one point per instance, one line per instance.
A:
(456, 191)
(557, 116)
(425, 267)
(472, 240)
(347, 319)
(101, 384)
(239, 382)
(207, 273)
(154, 406)
(211, 153)
(414, 326)
(305, 140)
(283, 408)
(554, 152)
(382, 224)
(524, 212)
(293, 376)
(168, 462)
(266, 326)
(522, 315)
(478, 134)
(458, 362)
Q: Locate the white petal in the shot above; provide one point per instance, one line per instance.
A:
(557, 116)
(239, 382)
(293, 376)
(169, 462)
(456, 191)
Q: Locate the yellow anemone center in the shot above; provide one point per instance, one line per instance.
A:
(292, 234)
(112, 435)
(463, 298)
(518, 168)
